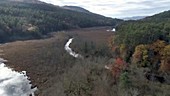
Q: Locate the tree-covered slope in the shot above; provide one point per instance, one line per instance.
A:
(145, 42)
(26, 20)
(163, 15)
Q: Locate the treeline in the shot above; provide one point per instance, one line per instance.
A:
(145, 42)
(30, 20)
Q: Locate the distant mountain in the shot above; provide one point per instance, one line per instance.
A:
(27, 19)
(76, 8)
(26, 1)
(134, 18)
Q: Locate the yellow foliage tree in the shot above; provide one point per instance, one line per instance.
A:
(122, 50)
(158, 46)
(165, 62)
(141, 54)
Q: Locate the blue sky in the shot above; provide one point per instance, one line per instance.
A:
(118, 8)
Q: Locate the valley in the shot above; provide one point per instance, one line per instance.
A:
(46, 60)
(66, 50)
(56, 73)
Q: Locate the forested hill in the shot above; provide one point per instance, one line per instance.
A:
(164, 15)
(150, 28)
(32, 19)
(145, 42)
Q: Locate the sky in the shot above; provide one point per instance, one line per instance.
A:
(118, 8)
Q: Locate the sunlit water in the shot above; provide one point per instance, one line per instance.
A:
(113, 30)
(14, 83)
(70, 51)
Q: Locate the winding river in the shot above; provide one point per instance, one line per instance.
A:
(70, 51)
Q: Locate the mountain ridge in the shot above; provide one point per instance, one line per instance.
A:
(134, 18)
(27, 20)
(76, 8)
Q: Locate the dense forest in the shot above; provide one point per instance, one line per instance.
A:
(145, 43)
(19, 20)
(141, 50)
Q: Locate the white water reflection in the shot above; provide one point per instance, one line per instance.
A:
(14, 83)
(69, 50)
(113, 30)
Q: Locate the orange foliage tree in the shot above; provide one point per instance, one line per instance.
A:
(156, 55)
(116, 68)
(113, 47)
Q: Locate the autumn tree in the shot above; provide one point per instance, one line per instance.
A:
(123, 51)
(116, 68)
(158, 47)
(141, 55)
(165, 62)
(155, 56)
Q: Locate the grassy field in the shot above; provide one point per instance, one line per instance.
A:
(56, 73)
(40, 58)
(46, 61)
(97, 35)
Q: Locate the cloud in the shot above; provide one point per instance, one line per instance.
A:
(118, 8)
